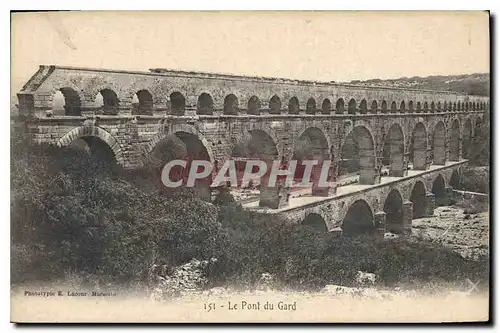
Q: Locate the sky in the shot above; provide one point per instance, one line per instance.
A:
(324, 46)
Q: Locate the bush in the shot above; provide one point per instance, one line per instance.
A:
(476, 179)
(303, 258)
(224, 197)
(470, 207)
(71, 214)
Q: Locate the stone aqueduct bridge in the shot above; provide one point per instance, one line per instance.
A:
(134, 116)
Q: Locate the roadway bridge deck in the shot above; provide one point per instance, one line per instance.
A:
(422, 189)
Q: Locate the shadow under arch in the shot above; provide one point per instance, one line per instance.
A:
(393, 208)
(258, 145)
(275, 105)
(181, 145)
(467, 139)
(142, 102)
(439, 191)
(205, 104)
(253, 106)
(455, 181)
(358, 155)
(177, 104)
(231, 105)
(393, 151)
(179, 128)
(293, 105)
(439, 144)
(312, 145)
(66, 102)
(418, 198)
(326, 106)
(311, 106)
(358, 220)
(315, 222)
(418, 148)
(455, 141)
(93, 131)
(107, 100)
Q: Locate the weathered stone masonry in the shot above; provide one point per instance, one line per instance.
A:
(132, 112)
(334, 211)
(136, 134)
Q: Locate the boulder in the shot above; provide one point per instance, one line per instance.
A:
(187, 277)
(364, 278)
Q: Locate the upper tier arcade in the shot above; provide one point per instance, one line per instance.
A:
(161, 92)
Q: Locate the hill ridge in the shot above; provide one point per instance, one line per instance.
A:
(471, 84)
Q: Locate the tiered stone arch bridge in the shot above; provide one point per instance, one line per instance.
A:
(399, 142)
